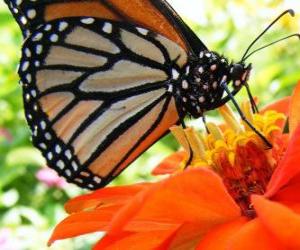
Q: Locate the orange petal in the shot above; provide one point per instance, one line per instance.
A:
(294, 116)
(194, 196)
(281, 106)
(253, 235)
(136, 241)
(104, 196)
(141, 226)
(281, 221)
(220, 236)
(289, 166)
(289, 194)
(81, 223)
(170, 164)
(109, 240)
(187, 237)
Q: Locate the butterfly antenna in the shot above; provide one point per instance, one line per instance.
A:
(270, 44)
(289, 11)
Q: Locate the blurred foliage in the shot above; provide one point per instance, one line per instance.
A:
(29, 209)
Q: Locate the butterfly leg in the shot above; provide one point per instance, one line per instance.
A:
(225, 87)
(252, 101)
(204, 122)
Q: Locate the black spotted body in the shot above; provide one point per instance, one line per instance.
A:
(199, 88)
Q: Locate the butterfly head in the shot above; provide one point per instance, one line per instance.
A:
(239, 74)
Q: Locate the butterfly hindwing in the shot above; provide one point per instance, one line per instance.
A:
(96, 94)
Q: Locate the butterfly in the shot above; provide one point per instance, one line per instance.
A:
(103, 80)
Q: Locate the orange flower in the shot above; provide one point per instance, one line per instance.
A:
(235, 194)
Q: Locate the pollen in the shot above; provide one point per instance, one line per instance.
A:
(235, 152)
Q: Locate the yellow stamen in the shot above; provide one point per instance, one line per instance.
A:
(230, 118)
(206, 148)
(203, 141)
(196, 144)
(215, 131)
(179, 134)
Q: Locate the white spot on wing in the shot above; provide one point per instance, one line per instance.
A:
(57, 149)
(31, 13)
(37, 37)
(28, 78)
(142, 31)
(97, 180)
(68, 154)
(68, 172)
(27, 52)
(88, 20)
(50, 156)
(25, 65)
(107, 28)
(39, 49)
(54, 38)
(60, 164)
(74, 165)
(62, 26)
(48, 27)
(175, 74)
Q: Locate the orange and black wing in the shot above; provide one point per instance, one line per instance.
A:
(155, 15)
(97, 94)
(98, 80)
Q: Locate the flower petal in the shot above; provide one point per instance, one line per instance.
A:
(106, 202)
(136, 241)
(288, 167)
(187, 237)
(81, 223)
(281, 106)
(289, 195)
(192, 196)
(104, 196)
(170, 164)
(281, 221)
(253, 235)
(220, 236)
(294, 116)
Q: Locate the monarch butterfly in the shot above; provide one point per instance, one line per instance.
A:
(104, 79)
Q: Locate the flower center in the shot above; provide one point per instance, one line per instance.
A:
(237, 153)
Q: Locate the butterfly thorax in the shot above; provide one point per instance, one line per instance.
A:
(200, 88)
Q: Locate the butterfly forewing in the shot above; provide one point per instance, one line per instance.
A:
(155, 15)
(96, 94)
